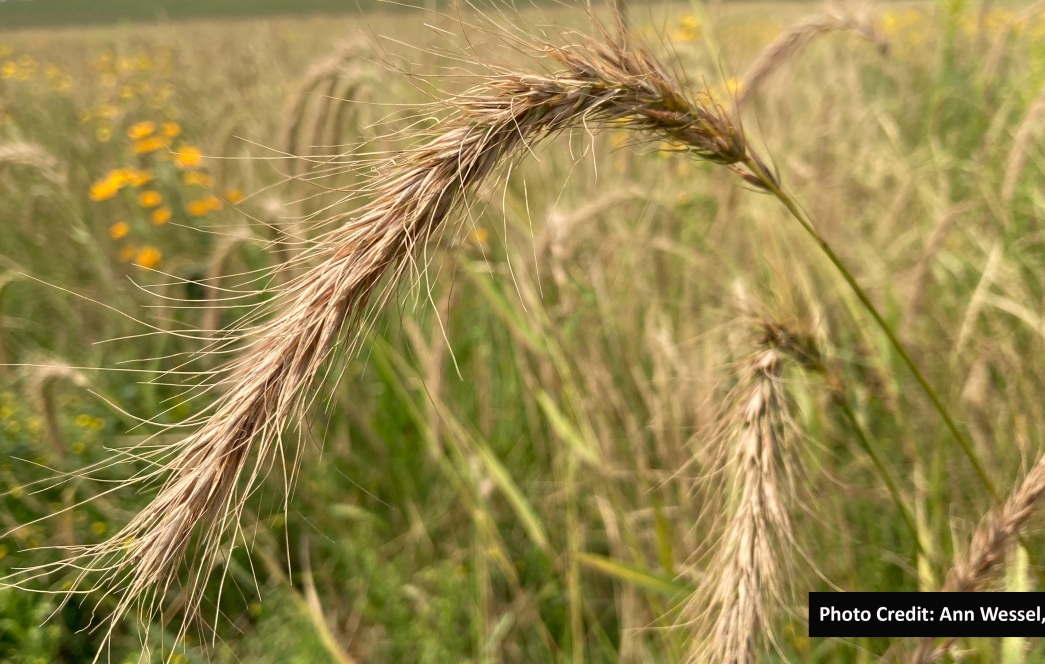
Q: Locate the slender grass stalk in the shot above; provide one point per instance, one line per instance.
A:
(1018, 155)
(804, 350)
(27, 153)
(771, 185)
(798, 35)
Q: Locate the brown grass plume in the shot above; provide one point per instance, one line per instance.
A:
(206, 477)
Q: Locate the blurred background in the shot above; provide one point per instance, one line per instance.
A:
(530, 459)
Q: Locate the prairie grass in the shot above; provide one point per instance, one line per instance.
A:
(497, 379)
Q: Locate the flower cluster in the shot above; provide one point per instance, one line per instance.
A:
(688, 29)
(26, 69)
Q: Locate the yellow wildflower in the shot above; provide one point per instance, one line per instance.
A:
(202, 206)
(140, 130)
(148, 257)
(52, 70)
(3, 551)
(149, 199)
(83, 420)
(122, 175)
(171, 129)
(98, 528)
(103, 134)
(107, 111)
(890, 23)
(188, 157)
(6, 50)
(103, 189)
(143, 62)
(479, 235)
(84, 115)
(139, 178)
(233, 196)
(123, 64)
(194, 179)
(147, 145)
(160, 216)
(78, 447)
(128, 253)
(119, 230)
(9, 70)
(689, 29)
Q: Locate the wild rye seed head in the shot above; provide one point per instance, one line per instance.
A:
(731, 612)
(995, 537)
(206, 477)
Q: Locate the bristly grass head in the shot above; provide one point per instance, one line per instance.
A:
(352, 271)
(732, 611)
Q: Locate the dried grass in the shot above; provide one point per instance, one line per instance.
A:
(320, 96)
(27, 153)
(206, 477)
(732, 609)
(5, 280)
(995, 537)
(1001, 39)
(799, 35)
(40, 379)
(1018, 155)
(216, 268)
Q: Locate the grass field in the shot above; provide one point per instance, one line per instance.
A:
(32, 13)
(630, 410)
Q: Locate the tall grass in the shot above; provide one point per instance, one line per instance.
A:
(497, 372)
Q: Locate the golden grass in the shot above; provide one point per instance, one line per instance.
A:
(732, 610)
(598, 84)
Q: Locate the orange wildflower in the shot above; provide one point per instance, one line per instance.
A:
(149, 199)
(171, 129)
(160, 216)
(188, 157)
(139, 178)
(147, 145)
(103, 189)
(119, 230)
(234, 196)
(140, 130)
(202, 206)
(148, 257)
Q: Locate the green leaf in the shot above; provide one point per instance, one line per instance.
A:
(634, 576)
